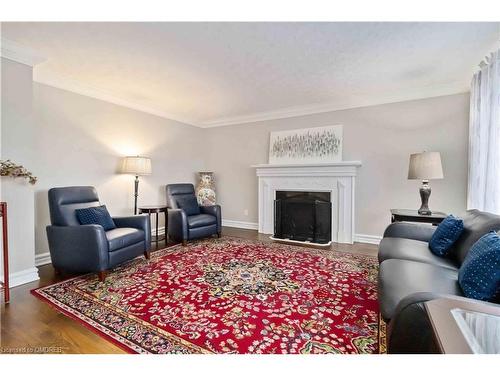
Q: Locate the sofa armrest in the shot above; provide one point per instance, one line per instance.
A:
(177, 224)
(141, 222)
(420, 232)
(216, 211)
(79, 248)
(410, 330)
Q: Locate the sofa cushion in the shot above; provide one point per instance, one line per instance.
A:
(122, 237)
(476, 225)
(479, 275)
(446, 234)
(189, 204)
(95, 215)
(400, 278)
(417, 251)
(201, 220)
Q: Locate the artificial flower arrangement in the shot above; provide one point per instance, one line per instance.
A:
(10, 169)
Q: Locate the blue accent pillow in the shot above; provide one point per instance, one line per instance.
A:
(445, 235)
(189, 204)
(96, 215)
(479, 275)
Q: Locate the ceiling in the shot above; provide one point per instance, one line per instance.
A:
(211, 74)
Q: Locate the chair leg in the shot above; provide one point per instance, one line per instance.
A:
(147, 254)
(184, 243)
(57, 271)
(219, 235)
(102, 275)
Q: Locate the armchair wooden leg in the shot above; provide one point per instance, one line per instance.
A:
(57, 271)
(219, 235)
(102, 275)
(184, 243)
(147, 254)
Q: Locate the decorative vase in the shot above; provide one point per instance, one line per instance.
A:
(205, 191)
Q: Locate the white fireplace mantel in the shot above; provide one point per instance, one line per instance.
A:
(336, 178)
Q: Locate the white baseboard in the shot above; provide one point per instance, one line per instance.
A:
(42, 259)
(363, 238)
(367, 238)
(240, 224)
(23, 277)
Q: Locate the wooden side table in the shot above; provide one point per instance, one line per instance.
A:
(156, 210)
(5, 246)
(413, 216)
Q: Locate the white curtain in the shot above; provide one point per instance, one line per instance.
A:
(484, 137)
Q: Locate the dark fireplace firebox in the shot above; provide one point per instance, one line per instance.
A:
(303, 216)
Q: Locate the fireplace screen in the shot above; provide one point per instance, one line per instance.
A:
(303, 216)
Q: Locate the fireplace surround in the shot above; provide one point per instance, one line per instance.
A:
(338, 179)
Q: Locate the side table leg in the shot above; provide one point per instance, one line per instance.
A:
(157, 238)
(150, 224)
(166, 227)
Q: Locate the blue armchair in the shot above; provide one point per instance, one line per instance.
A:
(186, 219)
(89, 248)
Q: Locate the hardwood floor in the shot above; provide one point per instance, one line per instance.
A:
(29, 325)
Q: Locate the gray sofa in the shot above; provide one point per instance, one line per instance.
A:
(410, 274)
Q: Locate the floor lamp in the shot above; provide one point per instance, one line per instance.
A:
(138, 166)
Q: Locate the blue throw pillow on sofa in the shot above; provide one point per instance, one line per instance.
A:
(96, 215)
(479, 275)
(445, 235)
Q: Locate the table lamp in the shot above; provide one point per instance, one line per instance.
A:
(425, 166)
(138, 166)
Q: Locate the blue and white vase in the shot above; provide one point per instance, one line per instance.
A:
(205, 190)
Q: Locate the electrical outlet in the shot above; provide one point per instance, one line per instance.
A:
(245, 212)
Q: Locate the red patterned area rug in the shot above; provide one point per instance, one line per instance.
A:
(231, 295)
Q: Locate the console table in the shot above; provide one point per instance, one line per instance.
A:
(156, 210)
(412, 215)
(5, 247)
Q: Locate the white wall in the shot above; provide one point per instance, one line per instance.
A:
(17, 140)
(382, 137)
(69, 139)
(80, 141)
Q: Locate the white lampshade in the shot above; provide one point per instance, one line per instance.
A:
(425, 166)
(137, 165)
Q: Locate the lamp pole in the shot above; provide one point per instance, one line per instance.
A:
(136, 193)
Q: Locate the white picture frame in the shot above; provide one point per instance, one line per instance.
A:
(306, 146)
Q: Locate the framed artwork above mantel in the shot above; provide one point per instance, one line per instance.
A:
(306, 146)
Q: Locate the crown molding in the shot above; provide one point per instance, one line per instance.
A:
(16, 52)
(69, 84)
(297, 111)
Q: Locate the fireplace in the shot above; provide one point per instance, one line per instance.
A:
(337, 179)
(303, 216)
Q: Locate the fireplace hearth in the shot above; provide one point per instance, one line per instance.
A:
(303, 216)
